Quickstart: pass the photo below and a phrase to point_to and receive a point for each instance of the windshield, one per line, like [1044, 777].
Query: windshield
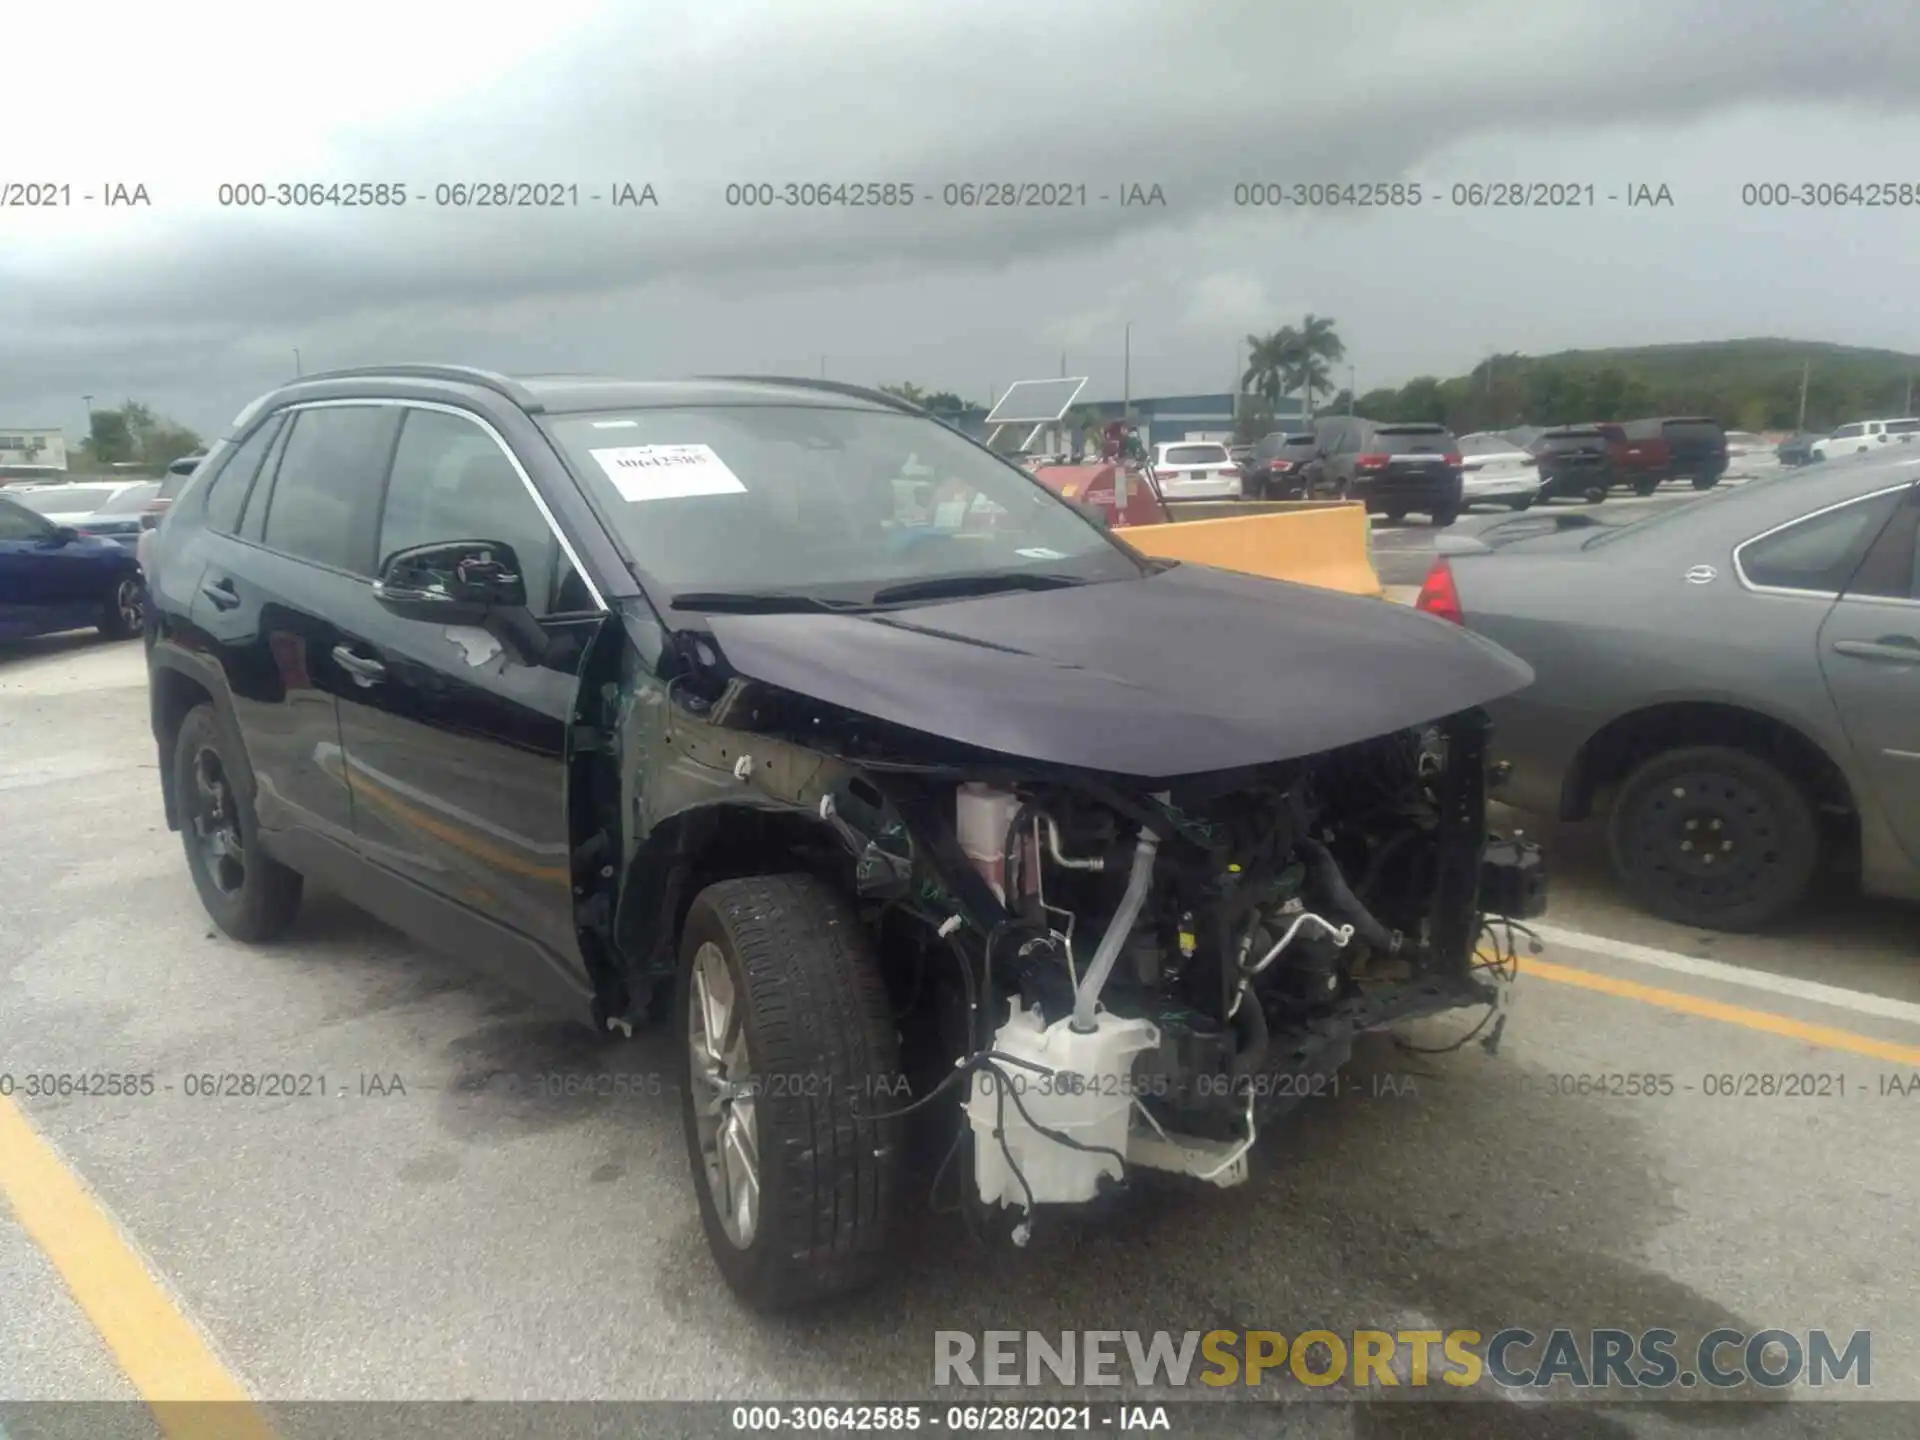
[130, 500]
[819, 500]
[1691, 507]
[66, 499]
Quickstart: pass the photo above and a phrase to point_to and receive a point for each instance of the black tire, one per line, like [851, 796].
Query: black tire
[1443, 518]
[1595, 495]
[1394, 513]
[1645, 485]
[249, 894]
[123, 611]
[1525, 502]
[1760, 823]
[1705, 482]
[822, 1054]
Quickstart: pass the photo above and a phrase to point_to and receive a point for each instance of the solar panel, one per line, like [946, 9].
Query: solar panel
[1036, 402]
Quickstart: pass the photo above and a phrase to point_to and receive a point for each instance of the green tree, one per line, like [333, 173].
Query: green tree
[1311, 351]
[1268, 358]
[910, 393]
[109, 440]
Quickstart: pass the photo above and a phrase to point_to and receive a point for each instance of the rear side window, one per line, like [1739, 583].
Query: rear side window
[325, 501]
[1903, 427]
[1818, 554]
[229, 487]
[1196, 455]
[19, 523]
[1849, 432]
[1891, 570]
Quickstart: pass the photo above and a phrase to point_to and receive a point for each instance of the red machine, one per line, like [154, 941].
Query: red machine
[1125, 493]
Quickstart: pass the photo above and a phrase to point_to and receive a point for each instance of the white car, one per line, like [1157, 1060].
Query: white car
[69, 504]
[1865, 435]
[1494, 471]
[1195, 470]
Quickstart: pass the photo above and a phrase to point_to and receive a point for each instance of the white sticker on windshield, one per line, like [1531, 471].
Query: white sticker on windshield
[1041, 552]
[667, 472]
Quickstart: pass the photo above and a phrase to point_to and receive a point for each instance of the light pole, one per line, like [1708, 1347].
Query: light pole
[296, 362]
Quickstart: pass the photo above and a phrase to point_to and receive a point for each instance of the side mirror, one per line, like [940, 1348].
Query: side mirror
[459, 582]
[64, 535]
[464, 582]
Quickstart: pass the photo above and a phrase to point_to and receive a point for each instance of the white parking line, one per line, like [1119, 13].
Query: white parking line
[1858, 1001]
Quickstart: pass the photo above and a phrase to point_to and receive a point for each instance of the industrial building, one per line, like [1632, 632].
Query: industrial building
[31, 451]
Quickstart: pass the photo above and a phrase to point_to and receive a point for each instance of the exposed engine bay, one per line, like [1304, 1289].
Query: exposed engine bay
[1165, 971]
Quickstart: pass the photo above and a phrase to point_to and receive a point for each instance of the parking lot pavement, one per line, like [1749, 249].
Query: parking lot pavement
[477, 1205]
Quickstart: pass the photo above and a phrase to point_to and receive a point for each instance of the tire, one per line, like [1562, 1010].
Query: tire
[1525, 502]
[1762, 821]
[1645, 485]
[1443, 518]
[1705, 482]
[1395, 513]
[809, 1007]
[123, 612]
[250, 895]
[1595, 494]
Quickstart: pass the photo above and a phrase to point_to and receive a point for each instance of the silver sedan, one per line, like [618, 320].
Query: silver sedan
[1734, 683]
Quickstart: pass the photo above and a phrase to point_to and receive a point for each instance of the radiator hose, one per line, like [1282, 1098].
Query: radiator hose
[1341, 899]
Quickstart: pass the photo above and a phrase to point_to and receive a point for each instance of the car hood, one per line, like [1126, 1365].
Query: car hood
[1185, 671]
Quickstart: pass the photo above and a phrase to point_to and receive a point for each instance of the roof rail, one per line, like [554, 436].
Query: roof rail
[458, 374]
[833, 387]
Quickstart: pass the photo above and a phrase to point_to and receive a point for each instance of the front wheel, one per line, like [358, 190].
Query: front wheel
[249, 894]
[1524, 502]
[124, 610]
[1394, 513]
[1444, 517]
[1713, 837]
[1705, 482]
[793, 1060]
[1645, 486]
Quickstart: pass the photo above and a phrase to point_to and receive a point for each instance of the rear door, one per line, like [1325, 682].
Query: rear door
[268, 594]
[455, 747]
[45, 583]
[1870, 654]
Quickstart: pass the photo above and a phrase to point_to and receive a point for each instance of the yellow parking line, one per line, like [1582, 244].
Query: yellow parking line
[170, 1364]
[1763, 1020]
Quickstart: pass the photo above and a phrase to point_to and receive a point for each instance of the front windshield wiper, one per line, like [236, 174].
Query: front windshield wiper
[990, 583]
[758, 602]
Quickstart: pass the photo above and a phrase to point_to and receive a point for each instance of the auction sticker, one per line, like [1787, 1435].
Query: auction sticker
[667, 472]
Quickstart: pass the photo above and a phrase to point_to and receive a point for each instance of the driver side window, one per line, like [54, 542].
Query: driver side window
[19, 523]
[452, 481]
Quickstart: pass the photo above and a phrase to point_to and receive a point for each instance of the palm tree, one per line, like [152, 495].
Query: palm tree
[908, 392]
[1314, 348]
[1266, 365]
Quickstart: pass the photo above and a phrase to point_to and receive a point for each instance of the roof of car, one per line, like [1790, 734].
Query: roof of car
[573, 394]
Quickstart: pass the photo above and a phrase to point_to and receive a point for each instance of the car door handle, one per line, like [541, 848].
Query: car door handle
[1901, 648]
[221, 593]
[366, 673]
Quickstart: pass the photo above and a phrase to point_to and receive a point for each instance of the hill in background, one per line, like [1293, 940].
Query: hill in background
[1745, 384]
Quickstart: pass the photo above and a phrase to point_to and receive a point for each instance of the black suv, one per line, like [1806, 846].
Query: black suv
[1575, 461]
[1397, 468]
[784, 714]
[1285, 466]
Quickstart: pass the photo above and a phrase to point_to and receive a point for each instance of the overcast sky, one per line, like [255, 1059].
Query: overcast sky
[194, 307]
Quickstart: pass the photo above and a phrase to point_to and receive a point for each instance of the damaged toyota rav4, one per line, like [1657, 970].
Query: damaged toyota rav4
[782, 714]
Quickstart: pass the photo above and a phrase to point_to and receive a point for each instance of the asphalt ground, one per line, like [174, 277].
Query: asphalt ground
[445, 1223]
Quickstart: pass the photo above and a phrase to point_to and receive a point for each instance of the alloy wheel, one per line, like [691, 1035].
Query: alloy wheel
[723, 1094]
[216, 824]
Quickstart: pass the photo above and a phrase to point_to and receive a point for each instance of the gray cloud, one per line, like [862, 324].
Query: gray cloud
[208, 305]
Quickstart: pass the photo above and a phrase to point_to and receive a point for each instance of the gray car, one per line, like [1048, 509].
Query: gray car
[1733, 683]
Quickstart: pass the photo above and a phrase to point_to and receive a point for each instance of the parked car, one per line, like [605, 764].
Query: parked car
[1864, 436]
[1396, 468]
[1743, 443]
[119, 519]
[1195, 470]
[1285, 466]
[1494, 472]
[178, 473]
[1674, 447]
[1574, 461]
[650, 698]
[1799, 449]
[70, 503]
[1734, 684]
[54, 578]
[1242, 457]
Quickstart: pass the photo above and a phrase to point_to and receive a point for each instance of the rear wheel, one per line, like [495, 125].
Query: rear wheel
[1705, 482]
[1713, 837]
[1395, 513]
[124, 610]
[1524, 502]
[1595, 494]
[1645, 485]
[1445, 517]
[250, 895]
[791, 1052]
